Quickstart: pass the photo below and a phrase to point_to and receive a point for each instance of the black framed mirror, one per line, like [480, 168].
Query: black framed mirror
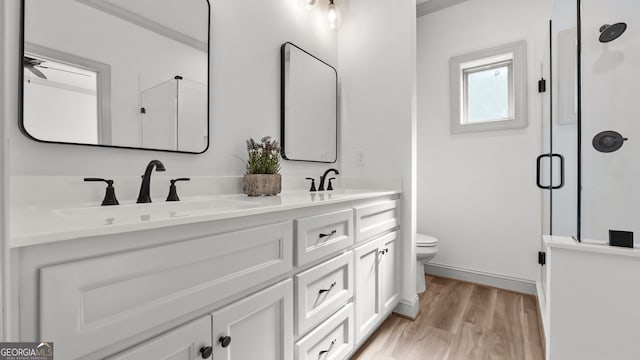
[116, 73]
[309, 107]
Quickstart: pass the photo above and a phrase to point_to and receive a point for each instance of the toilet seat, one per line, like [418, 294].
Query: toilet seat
[425, 241]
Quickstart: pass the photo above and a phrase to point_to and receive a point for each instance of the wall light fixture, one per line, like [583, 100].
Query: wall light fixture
[332, 15]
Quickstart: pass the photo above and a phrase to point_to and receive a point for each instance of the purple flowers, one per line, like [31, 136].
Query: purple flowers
[264, 156]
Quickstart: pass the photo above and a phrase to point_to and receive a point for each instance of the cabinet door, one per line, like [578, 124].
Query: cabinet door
[188, 342]
[367, 295]
[258, 327]
[388, 271]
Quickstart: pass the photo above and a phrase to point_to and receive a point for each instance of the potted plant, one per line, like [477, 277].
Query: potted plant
[263, 168]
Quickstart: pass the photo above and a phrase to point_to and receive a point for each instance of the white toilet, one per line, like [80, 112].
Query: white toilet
[426, 249]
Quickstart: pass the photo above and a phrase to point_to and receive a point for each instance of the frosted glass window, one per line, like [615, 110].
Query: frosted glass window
[488, 94]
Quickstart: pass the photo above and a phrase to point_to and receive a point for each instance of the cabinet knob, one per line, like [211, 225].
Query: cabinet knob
[225, 341]
[206, 352]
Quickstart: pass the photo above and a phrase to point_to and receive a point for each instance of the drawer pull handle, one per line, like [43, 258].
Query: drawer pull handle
[381, 252]
[333, 232]
[206, 352]
[326, 351]
[225, 341]
[322, 291]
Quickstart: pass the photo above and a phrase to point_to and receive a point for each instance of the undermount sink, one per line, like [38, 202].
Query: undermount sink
[153, 211]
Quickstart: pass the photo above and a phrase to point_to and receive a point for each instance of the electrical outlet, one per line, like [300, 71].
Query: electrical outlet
[360, 158]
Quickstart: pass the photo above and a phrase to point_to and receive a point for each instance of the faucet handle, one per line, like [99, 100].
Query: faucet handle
[110, 194]
[313, 184]
[173, 192]
[173, 181]
[330, 186]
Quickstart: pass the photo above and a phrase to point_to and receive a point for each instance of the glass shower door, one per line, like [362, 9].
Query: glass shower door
[558, 164]
[159, 116]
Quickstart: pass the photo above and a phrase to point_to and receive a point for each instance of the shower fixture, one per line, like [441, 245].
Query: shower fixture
[608, 141]
[609, 33]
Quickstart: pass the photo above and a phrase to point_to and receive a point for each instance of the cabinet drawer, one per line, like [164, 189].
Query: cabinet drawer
[375, 219]
[184, 343]
[322, 290]
[322, 235]
[333, 340]
[87, 305]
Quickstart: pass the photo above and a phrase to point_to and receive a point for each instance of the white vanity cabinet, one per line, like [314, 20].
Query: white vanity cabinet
[307, 283]
[376, 282]
[188, 342]
[257, 327]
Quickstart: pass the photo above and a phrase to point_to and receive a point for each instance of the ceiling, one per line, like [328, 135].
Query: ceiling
[425, 7]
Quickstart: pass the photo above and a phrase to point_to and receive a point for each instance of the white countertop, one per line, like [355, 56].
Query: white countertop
[33, 225]
[593, 246]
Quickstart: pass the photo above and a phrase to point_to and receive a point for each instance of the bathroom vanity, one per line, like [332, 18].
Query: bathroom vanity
[226, 277]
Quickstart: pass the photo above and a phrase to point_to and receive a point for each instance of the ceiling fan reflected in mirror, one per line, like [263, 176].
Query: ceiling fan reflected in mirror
[30, 64]
[34, 65]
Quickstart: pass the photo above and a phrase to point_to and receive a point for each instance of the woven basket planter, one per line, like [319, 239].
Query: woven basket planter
[262, 184]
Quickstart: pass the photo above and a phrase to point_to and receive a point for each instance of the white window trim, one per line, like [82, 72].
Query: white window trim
[461, 65]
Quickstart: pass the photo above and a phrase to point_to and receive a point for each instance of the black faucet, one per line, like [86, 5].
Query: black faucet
[145, 187]
[324, 176]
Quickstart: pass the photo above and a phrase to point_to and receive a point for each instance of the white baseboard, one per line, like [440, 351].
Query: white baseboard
[408, 308]
[481, 277]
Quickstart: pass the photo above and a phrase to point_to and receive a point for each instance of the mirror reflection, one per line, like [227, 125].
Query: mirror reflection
[309, 113]
[117, 73]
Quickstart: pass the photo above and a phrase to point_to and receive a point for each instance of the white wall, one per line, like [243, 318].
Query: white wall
[477, 192]
[377, 62]
[245, 95]
[610, 77]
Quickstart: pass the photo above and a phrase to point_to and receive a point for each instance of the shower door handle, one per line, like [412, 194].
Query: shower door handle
[539, 171]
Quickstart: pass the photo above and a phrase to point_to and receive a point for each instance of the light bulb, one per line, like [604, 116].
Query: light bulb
[307, 4]
[332, 15]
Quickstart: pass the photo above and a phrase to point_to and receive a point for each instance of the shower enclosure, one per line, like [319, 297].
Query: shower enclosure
[586, 288]
[590, 132]
[173, 116]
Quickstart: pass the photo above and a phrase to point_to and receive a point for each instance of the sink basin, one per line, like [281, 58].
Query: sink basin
[133, 213]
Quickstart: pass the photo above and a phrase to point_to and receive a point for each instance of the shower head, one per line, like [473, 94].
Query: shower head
[609, 33]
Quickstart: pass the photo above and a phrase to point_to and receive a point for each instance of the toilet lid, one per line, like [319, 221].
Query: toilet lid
[425, 240]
